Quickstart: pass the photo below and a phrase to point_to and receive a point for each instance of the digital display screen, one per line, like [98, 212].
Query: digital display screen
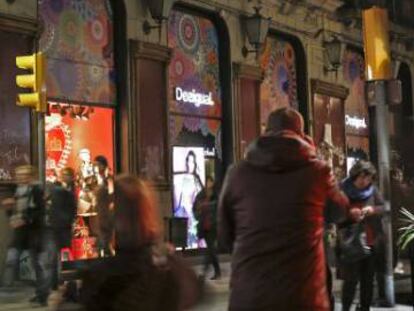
[189, 180]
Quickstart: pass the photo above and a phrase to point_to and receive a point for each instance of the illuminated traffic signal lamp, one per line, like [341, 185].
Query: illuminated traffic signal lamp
[377, 44]
[34, 81]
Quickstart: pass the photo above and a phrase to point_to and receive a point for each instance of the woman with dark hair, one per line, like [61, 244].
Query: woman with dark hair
[205, 212]
[189, 186]
[144, 275]
[365, 224]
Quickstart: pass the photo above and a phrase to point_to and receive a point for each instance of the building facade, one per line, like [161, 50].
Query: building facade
[181, 102]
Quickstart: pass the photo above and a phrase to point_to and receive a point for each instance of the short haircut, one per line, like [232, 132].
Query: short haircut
[101, 160]
[364, 168]
[285, 119]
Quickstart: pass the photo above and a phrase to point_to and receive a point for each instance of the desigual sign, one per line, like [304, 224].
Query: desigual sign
[355, 122]
[193, 97]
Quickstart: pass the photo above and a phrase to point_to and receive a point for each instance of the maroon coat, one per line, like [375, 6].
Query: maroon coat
[271, 213]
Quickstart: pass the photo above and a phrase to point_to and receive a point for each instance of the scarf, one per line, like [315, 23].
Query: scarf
[354, 193]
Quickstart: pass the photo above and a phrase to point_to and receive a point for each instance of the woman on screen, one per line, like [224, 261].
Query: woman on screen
[187, 186]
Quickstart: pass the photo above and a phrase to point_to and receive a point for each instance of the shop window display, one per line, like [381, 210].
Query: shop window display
[195, 107]
[77, 39]
[356, 107]
[74, 136]
[279, 86]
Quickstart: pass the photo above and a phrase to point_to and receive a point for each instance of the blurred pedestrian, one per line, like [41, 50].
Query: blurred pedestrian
[205, 212]
[26, 213]
[144, 275]
[361, 247]
[105, 209]
[271, 214]
[62, 214]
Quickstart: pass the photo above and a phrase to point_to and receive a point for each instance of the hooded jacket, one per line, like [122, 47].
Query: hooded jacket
[271, 214]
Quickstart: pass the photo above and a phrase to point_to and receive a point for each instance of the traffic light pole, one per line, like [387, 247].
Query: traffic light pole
[383, 149]
[41, 147]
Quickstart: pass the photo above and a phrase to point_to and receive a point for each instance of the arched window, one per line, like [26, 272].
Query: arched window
[356, 108]
[78, 41]
[280, 84]
[195, 110]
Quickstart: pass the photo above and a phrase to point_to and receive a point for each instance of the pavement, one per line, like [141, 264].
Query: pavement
[214, 299]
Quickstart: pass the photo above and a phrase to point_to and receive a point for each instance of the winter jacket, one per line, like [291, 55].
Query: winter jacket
[271, 213]
[368, 197]
[205, 212]
[63, 207]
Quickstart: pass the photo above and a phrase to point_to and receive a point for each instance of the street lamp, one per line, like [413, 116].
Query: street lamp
[333, 54]
[160, 11]
[257, 28]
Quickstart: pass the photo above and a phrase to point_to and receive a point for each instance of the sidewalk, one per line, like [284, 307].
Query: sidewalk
[215, 297]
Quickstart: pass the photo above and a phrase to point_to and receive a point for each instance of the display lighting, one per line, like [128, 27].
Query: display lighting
[75, 111]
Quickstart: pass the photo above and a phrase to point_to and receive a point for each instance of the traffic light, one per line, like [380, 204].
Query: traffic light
[34, 81]
[377, 44]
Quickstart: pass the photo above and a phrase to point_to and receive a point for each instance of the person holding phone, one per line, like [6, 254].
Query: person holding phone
[365, 213]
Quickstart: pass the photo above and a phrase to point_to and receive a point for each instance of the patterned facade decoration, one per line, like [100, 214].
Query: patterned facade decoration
[356, 108]
[279, 87]
[78, 42]
[194, 79]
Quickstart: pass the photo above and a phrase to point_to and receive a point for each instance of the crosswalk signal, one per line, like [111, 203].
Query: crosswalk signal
[34, 81]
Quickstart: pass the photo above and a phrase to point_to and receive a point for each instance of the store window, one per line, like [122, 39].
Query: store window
[328, 101]
[279, 87]
[75, 135]
[356, 108]
[78, 42]
[195, 111]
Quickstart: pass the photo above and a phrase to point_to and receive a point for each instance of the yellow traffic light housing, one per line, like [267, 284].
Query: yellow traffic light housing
[377, 44]
[35, 81]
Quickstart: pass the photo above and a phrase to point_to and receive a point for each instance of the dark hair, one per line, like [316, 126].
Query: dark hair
[136, 213]
[101, 160]
[187, 158]
[210, 178]
[364, 168]
[285, 119]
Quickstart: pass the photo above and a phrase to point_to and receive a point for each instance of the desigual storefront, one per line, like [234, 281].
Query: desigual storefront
[195, 111]
[78, 40]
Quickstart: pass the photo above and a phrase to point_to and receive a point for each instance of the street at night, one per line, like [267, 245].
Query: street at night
[206, 155]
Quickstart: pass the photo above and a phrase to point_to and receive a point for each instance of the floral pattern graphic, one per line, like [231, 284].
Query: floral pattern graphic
[279, 87]
[195, 63]
[77, 40]
[194, 67]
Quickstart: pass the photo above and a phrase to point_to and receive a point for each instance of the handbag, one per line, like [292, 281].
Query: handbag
[352, 244]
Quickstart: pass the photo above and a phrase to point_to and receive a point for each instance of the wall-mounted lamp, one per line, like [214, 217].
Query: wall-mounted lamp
[332, 54]
[160, 11]
[257, 28]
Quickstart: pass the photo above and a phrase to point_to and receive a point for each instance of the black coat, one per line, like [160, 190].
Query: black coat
[62, 213]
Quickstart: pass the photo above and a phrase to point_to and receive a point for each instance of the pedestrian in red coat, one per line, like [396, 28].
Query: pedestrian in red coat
[271, 214]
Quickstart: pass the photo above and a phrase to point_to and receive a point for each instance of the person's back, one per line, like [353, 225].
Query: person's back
[271, 211]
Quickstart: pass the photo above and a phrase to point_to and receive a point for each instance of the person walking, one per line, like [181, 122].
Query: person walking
[358, 259]
[144, 276]
[271, 215]
[26, 213]
[205, 212]
[103, 194]
[62, 214]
